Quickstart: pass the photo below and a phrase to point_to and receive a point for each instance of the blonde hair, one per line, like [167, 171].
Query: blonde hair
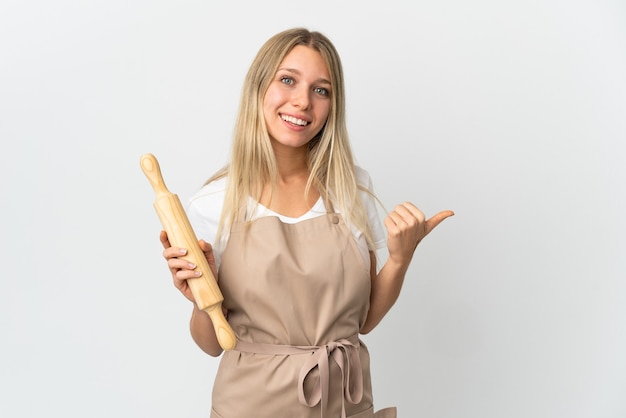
[330, 162]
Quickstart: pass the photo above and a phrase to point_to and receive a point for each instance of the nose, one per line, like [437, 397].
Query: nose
[301, 97]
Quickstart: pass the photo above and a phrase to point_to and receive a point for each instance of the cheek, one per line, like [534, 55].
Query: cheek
[273, 97]
[267, 106]
[324, 113]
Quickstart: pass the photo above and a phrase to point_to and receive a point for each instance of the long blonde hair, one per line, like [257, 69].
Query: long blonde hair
[330, 162]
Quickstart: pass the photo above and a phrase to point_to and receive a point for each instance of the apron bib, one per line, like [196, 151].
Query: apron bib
[297, 295]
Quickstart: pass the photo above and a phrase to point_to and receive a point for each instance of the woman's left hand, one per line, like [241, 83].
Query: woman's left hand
[406, 227]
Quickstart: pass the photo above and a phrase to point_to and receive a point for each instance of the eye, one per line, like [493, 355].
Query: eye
[287, 80]
[321, 91]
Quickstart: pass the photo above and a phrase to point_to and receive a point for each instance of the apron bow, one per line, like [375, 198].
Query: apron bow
[346, 354]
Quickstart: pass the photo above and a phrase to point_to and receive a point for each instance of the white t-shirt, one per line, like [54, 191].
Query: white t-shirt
[204, 209]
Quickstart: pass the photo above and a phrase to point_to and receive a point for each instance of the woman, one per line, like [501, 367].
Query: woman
[295, 229]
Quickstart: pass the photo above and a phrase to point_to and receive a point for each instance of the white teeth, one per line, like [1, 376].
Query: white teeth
[293, 120]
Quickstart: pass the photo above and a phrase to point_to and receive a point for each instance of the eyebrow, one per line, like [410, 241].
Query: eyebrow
[293, 70]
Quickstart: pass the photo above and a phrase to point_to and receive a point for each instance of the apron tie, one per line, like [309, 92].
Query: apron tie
[344, 352]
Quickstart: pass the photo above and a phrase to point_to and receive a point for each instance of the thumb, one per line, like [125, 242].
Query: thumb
[205, 247]
[435, 220]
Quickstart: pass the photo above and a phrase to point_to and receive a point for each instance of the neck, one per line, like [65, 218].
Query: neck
[291, 162]
[287, 195]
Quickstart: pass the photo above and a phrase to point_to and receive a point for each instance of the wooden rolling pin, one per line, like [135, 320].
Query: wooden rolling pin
[174, 220]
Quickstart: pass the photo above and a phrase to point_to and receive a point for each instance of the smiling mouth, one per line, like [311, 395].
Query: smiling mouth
[294, 120]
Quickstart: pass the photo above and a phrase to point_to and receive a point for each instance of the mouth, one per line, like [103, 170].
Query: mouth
[294, 121]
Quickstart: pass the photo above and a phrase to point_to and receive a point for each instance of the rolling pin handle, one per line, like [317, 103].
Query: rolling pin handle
[152, 170]
[223, 331]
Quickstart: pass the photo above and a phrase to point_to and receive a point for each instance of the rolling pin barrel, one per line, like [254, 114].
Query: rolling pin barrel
[174, 220]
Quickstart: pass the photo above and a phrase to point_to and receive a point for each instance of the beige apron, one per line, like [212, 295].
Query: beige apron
[297, 295]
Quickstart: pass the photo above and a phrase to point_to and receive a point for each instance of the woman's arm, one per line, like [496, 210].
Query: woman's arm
[386, 287]
[406, 227]
[200, 325]
[203, 333]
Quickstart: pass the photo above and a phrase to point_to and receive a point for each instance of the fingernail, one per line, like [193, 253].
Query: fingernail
[182, 251]
[197, 273]
[191, 265]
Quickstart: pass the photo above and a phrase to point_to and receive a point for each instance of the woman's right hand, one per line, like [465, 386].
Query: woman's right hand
[182, 270]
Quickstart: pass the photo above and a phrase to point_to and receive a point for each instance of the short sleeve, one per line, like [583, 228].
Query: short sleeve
[204, 210]
[369, 201]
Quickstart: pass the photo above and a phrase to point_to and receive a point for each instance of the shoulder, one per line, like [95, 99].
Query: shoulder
[208, 201]
[370, 201]
[208, 192]
[363, 178]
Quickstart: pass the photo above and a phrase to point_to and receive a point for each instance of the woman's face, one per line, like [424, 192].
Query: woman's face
[297, 101]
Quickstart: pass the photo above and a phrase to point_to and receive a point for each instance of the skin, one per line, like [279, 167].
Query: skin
[300, 89]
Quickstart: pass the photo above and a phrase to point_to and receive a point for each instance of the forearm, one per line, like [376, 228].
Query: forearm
[386, 286]
[203, 333]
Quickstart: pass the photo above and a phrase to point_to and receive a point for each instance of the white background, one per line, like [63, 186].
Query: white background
[513, 114]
